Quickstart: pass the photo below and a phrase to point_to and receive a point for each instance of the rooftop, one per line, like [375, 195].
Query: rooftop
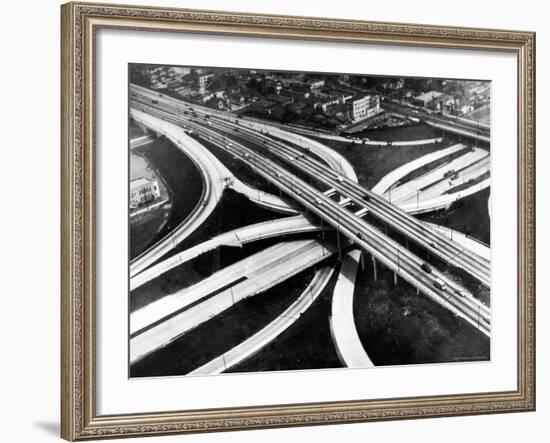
[430, 95]
[361, 95]
[139, 182]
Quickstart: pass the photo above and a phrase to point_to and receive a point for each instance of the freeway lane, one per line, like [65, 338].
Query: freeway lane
[444, 201]
[384, 249]
[212, 190]
[398, 219]
[214, 167]
[479, 268]
[331, 157]
[459, 131]
[224, 141]
[397, 174]
[472, 172]
[454, 125]
[262, 338]
[215, 177]
[342, 320]
[470, 243]
[433, 183]
[161, 322]
[235, 238]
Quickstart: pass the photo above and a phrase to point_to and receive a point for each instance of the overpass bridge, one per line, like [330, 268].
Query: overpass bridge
[363, 199]
[381, 247]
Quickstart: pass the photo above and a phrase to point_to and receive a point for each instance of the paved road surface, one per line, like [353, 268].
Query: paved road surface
[270, 332]
[433, 184]
[236, 238]
[161, 322]
[394, 176]
[397, 258]
[215, 176]
[342, 321]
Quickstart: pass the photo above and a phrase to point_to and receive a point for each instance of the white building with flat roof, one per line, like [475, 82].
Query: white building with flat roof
[427, 97]
[143, 191]
[364, 106]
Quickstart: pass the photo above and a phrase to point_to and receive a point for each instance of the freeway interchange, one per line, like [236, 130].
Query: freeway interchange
[319, 188]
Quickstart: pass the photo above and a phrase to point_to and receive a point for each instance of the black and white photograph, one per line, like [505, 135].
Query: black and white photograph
[283, 221]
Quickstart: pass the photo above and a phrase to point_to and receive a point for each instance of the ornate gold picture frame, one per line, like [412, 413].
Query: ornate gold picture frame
[80, 22]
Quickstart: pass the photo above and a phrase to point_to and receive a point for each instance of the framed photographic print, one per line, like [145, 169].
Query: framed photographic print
[281, 221]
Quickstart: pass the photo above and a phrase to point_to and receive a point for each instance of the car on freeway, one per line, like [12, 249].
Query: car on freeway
[426, 268]
[318, 201]
[155, 102]
[433, 245]
[439, 284]
[360, 235]
[340, 178]
[460, 292]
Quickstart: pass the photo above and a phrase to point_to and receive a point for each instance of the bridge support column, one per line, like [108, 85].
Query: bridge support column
[142, 127]
[374, 268]
[417, 291]
[339, 246]
[362, 258]
[394, 278]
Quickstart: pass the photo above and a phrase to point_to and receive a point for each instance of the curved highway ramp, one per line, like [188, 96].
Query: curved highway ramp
[266, 335]
[161, 322]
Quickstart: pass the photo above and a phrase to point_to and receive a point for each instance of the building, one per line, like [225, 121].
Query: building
[180, 70]
[203, 81]
[327, 102]
[173, 84]
[143, 191]
[364, 105]
[426, 98]
[316, 84]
